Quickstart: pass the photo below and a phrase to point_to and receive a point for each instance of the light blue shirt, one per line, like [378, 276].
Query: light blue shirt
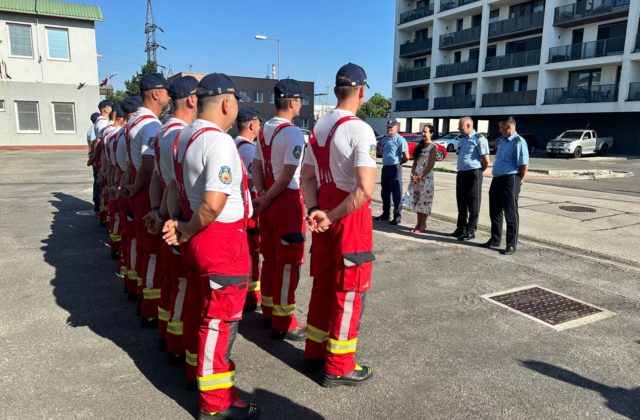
[91, 135]
[471, 148]
[392, 149]
[512, 153]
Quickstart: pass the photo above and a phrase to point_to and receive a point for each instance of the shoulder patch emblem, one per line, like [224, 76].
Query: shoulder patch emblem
[372, 151]
[297, 152]
[150, 141]
[225, 175]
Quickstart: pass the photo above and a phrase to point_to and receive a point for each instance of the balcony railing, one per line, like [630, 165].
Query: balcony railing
[411, 75]
[637, 48]
[416, 14]
[416, 48]
[521, 59]
[634, 91]
[578, 95]
[461, 38]
[527, 97]
[521, 25]
[449, 102]
[444, 70]
[412, 105]
[452, 4]
[578, 13]
[601, 48]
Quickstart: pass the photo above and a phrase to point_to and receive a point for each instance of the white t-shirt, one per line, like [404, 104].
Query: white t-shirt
[121, 152]
[353, 146]
[287, 149]
[101, 123]
[212, 163]
[247, 152]
[142, 135]
[108, 134]
[166, 147]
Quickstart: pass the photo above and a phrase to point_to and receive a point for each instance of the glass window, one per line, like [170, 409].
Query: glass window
[58, 43]
[20, 40]
[28, 118]
[494, 16]
[64, 117]
[515, 84]
[304, 123]
[419, 63]
[2, 105]
[258, 97]
[272, 98]
[243, 92]
[305, 101]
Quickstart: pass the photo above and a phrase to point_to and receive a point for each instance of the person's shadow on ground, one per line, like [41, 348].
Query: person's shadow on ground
[623, 401]
[86, 285]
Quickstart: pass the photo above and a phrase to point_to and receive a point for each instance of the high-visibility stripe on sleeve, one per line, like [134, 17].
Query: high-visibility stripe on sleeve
[175, 327]
[267, 301]
[342, 347]
[191, 358]
[284, 310]
[316, 334]
[254, 286]
[217, 381]
[151, 294]
[163, 314]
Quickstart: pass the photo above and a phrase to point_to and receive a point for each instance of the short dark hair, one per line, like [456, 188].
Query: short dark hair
[345, 92]
[243, 125]
[508, 120]
[429, 127]
[282, 104]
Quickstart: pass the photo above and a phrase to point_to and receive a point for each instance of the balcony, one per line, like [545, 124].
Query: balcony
[521, 59]
[412, 105]
[452, 4]
[416, 48]
[578, 14]
[637, 47]
[601, 48]
[527, 97]
[580, 95]
[517, 26]
[450, 102]
[634, 91]
[416, 14]
[465, 37]
[455, 69]
[411, 75]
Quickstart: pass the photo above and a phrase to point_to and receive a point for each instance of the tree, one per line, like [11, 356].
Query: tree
[117, 96]
[376, 106]
[132, 87]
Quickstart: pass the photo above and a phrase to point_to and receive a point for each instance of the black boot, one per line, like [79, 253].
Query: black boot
[358, 376]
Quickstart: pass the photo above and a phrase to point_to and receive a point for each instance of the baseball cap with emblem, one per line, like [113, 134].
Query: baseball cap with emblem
[117, 107]
[248, 114]
[151, 81]
[104, 103]
[392, 122]
[131, 104]
[214, 84]
[351, 75]
[288, 89]
[182, 87]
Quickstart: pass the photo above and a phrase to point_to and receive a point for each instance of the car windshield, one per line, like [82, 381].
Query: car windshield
[571, 135]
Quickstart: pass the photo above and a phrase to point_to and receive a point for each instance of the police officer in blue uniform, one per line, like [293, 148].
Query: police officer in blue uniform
[473, 159]
[509, 170]
[395, 152]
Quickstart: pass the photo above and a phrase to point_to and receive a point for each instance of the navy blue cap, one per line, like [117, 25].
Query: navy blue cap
[351, 75]
[151, 81]
[105, 103]
[182, 87]
[117, 107]
[392, 122]
[288, 88]
[248, 114]
[94, 117]
[131, 104]
[217, 84]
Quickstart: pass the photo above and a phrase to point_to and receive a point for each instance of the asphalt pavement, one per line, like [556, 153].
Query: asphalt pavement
[72, 346]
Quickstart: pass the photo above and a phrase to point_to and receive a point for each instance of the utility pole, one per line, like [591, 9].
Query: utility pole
[150, 28]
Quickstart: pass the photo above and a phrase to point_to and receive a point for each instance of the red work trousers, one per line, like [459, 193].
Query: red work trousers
[175, 287]
[164, 303]
[130, 245]
[282, 236]
[224, 273]
[114, 226]
[253, 239]
[341, 263]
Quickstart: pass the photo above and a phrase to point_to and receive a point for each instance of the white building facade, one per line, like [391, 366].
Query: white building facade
[554, 65]
[48, 72]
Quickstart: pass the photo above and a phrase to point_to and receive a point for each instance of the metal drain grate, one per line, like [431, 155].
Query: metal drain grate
[550, 308]
[578, 209]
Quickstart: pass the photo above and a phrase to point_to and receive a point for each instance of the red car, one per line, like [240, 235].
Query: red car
[412, 142]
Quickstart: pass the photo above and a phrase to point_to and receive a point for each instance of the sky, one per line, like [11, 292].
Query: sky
[316, 38]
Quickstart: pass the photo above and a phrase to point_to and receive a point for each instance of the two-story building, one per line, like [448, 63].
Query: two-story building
[48, 72]
[554, 65]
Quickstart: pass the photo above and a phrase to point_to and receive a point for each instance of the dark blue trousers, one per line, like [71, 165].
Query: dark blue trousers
[96, 191]
[391, 188]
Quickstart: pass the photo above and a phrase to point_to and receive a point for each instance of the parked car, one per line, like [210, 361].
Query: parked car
[579, 142]
[449, 141]
[412, 141]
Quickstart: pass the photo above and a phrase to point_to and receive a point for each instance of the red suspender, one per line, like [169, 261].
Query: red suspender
[156, 146]
[128, 139]
[267, 168]
[322, 153]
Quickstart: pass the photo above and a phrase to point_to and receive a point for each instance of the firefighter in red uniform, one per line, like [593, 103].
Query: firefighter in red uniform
[276, 176]
[215, 208]
[95, 158]
[248, 123]
[142, 129]
[113, 218]
[337, 182]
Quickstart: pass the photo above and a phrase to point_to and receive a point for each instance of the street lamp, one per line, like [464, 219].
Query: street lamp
[266, 38]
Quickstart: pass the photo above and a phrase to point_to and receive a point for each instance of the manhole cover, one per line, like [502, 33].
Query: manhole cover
[86, 213]
[578, 209]
[550, 308]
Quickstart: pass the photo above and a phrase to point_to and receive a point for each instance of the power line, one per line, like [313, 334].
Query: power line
[150, 28]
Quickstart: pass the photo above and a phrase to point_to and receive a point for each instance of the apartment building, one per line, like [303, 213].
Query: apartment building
[48, 72]
[554, 65]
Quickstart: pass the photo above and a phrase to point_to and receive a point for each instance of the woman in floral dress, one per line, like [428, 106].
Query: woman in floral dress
[421, 185]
